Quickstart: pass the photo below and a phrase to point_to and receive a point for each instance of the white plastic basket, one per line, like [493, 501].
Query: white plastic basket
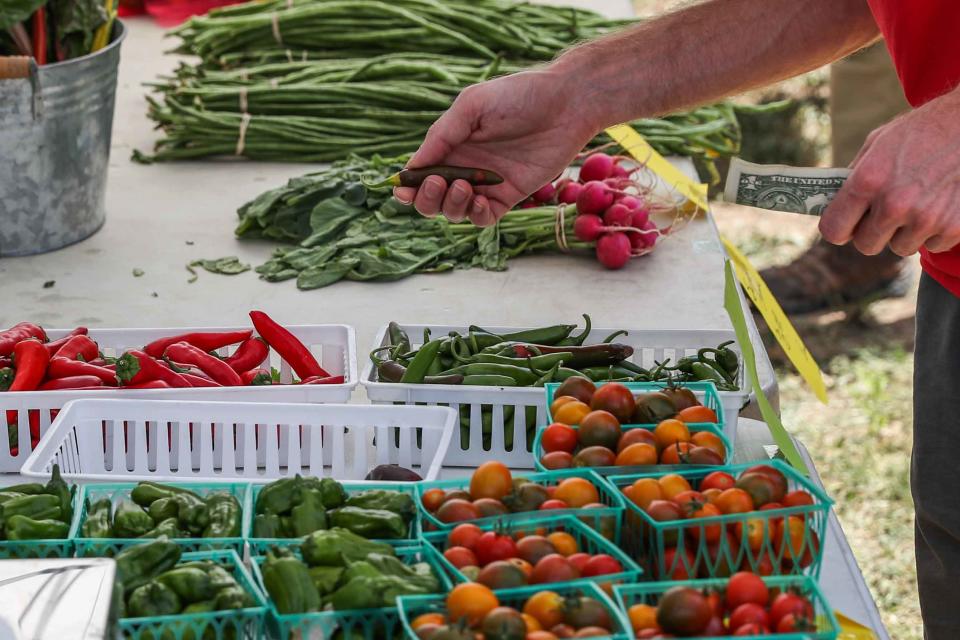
[649, 345]
[226, 441]
[334, 346]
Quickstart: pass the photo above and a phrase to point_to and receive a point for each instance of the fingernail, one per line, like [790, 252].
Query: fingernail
[458, 195]
[476, 207]
[431, 188]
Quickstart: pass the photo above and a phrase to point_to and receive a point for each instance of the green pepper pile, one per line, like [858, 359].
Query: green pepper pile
[155, 510]
[36, 511]
[340, 570]
[295, 507]
[154, 584]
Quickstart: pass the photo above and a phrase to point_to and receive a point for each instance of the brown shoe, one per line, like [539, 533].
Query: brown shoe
[827, 276]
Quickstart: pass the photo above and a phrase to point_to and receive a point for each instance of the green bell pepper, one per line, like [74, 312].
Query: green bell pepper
[131, 521]
[279, 496]
[191, 512]
[369, 523]
[24, 528]
[169, 527]
[163, 508]
[6, 496]
[325, 579]
[234, 597]
[368, 592]
[224, 516]
[190, 584]
[146, 492]
[38, 507]
[288, 582]
[204, 606]
[358, 569]
[64, 492]
[332, 493]
[396, 501]
[98, 523]
[220, 577]
[267, 525]
[138, 564]
[153, 599]
[309, 515]
[335, 547]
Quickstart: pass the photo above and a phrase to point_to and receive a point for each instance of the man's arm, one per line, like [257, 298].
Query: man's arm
[529, 126]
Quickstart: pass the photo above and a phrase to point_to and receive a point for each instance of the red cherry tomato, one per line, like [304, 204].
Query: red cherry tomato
[789, 603]
[752, 629]
[553, 503]
[747, 613]
[744, 587]
[601, 565]
[464, 535]
[492, 546]
[717, 480]
[460, 557]
[559, 437]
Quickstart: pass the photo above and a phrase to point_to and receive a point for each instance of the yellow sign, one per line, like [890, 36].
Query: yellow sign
[778, 322]
[642, 152]
[731, 302]
[849, 629]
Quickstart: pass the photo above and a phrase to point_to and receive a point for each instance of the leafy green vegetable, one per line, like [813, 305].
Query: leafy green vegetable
[75, 23]
[14, 11]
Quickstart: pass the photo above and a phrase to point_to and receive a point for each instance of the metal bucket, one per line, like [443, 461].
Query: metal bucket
[55, 125]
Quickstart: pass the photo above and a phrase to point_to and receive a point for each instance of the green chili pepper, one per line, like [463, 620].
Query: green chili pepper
[334, 547]
[369, 523]
[522, 376]
[235, 597]
[542, 362]
[38, 507]
[29, 489]
[613, 336]
[544, 335]
[6, 496]
[703, 371]
[578, 340]
[146, 492]
[58, 487]
[24, 528]
[399, 339]
[421, 363]
[398, 502]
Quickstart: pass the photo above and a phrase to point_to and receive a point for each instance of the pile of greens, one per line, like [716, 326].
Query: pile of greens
[54, 30]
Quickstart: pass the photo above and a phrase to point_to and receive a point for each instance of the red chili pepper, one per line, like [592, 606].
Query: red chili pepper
[62, 368]
[256, 378]
[53, 347]
[150, 384]
[200, 381]
[249, 355]
[40, 36]
[206, 341]
[31, 359]
[213, 366]
[79, 347]
[135, 368]
[323, 380]
[72, 382]
[18, 333]
[294, 352]
[33, 421]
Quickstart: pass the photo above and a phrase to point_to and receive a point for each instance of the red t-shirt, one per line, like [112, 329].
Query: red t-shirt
[922, 36]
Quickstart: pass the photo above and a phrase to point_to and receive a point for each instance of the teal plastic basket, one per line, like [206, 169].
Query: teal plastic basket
[260, 546]
[588, 541]
[606, 520]
[413, 606]
[229, 624]
[613, 470]
[827, 627]
[369, 624]
[46, 548]
[118, 491]
[706, 392]
[649, 540]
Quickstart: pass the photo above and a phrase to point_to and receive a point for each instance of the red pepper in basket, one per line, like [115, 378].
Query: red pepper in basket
[200, 381]
[72, 382]
[294, 352]
[63, 368]
[206, 341]
[135, 368]
[53, 347]
[323, 380]
[249, 355]
[31, 359]
[79, 348]
[150, 384]
[213, 366]
[19, 333]
[256, 378]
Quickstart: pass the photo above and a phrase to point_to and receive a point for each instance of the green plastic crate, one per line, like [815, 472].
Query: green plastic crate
[121, 490]
[259, 546]
[666, 468]
[47, 548]
[648, 540]
[370, 624]
[413, 606]
[706, 392]
[827, 627]
[588, 541]
[606, 519]
[230, 624]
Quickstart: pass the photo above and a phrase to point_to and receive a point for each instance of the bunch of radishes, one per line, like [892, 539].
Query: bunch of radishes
[617, 220]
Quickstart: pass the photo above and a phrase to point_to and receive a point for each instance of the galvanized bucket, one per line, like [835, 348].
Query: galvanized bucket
[55, 124]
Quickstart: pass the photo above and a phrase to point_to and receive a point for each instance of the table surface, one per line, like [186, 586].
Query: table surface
[160, 217]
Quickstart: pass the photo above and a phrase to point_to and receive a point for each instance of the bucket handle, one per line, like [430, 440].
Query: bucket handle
[23, 67]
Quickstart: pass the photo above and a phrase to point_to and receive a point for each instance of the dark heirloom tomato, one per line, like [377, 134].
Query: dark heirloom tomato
[502, 575]
[576, 387]
[557, 460]
[635, 436]
[599, 428]
[553, 568]
[779, 480]
[585, 611]
[457, 510]
[616, 399]
[596, 456]
[534, 548]
[683, 611]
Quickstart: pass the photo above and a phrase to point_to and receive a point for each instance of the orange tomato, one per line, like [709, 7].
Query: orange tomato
[428, 618]
[492, 479]
[572, 413]
[712, 495]
[546, 607]
[795, 541]
[564, 543]
[671, 431]
[432, 499]
[735, 501]
[577, 492]
[708, 532]
[532, 623]
[752, 532]
[472, 601]
[644, 491]
[642, 616]
[559, 401]
[675, 453]
[524, 566]
[640, 453]
[672, 484]
[698, 413]
[710, 441]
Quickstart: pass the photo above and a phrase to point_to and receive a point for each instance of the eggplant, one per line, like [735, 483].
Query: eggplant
[393, 473]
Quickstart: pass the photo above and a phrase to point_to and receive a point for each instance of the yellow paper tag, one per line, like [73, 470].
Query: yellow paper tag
[777, 320]
[849, 629]
[634, 144]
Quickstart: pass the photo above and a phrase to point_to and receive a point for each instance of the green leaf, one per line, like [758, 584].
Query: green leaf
[229, 265]
[14, 11]
[316, 278]
[75, 22]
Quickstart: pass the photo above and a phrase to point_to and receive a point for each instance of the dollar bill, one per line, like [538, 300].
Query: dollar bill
[779, 187]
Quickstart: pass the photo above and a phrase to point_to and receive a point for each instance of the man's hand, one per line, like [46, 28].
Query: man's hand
[905, 186]
[527, 127]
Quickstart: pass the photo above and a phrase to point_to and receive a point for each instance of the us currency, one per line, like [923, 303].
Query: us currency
[779, 187]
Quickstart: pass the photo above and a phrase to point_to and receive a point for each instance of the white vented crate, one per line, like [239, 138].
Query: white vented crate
[333, 345]
[649, 345]
[229, 441]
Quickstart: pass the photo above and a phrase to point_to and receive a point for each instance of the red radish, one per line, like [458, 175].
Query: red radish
[619, 171]
[639, 218]
[594, 198]
[640, 241]
[617, 215]
[528, 204]
[569, 192]
[613, 250]
[588, 227]
[597, 166]
[630, 202]
[546, 193]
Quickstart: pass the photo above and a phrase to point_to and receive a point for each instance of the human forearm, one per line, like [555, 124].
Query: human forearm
[709, 51]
